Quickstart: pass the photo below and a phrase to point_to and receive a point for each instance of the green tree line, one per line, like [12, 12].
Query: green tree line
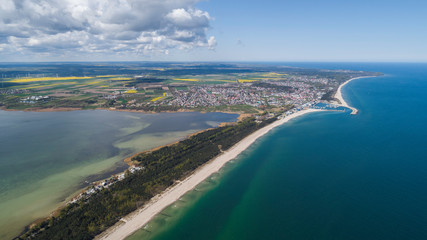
[161, 168]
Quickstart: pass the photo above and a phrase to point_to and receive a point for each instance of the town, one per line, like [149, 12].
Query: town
[176, 87]
[261, 94]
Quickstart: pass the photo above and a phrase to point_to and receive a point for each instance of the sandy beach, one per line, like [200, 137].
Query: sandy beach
[338, 95]
[136, 220]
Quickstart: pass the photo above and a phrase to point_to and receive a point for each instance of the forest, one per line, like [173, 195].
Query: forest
[160, 169]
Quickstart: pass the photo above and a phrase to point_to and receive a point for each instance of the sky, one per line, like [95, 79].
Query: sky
[213, 30]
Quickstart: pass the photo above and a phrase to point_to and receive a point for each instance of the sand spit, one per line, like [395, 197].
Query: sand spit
[136, 220]
[338, 95]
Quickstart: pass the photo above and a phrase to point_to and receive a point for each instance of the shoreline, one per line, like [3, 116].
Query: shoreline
[126, 160]
[242, 116]
[70, 109]
[342, 102]
[129, 162]
[136, 220]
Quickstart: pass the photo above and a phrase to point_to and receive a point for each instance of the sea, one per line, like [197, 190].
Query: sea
[325, 175]
[47, 157]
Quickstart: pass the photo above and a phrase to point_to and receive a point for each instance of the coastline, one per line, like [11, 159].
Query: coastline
[126, 160]
[342, 102]
[338, 95]
[242, 116]
[69, 109]
[129, 162]
[136, 220]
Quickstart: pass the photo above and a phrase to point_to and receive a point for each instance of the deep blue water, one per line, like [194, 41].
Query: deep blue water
[328, 175]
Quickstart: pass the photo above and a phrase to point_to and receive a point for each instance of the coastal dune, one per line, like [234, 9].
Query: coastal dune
[134, 221]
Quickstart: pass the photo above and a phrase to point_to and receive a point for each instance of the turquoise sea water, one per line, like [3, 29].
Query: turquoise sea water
[327, 175]
[46, 157]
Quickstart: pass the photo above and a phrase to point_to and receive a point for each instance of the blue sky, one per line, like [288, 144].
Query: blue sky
[214, 30]
[307, 30]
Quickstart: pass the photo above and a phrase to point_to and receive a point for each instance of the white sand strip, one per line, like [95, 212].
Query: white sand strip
[338, 95]
[141, 217]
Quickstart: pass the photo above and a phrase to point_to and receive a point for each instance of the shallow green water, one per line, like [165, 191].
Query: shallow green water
[46, 157]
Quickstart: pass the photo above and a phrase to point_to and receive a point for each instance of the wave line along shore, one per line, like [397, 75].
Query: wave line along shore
[138, 219]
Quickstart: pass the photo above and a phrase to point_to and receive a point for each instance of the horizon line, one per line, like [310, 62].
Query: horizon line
[216, 61]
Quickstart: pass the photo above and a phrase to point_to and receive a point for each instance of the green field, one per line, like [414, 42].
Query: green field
[107, 91]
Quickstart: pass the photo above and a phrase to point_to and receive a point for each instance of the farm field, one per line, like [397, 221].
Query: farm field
[162, 86]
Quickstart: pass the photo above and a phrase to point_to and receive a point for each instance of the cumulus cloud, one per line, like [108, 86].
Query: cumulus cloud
[142, 26]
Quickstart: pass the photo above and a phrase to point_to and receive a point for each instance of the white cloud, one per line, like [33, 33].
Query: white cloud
[212, 43]
[143, 26]
[179, 15]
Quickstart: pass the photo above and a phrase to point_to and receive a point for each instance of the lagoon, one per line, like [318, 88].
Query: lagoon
[46, 157]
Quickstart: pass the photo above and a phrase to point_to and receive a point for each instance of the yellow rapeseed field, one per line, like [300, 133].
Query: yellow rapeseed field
[131, 91]
[246, 80]
[43, 79]
[187, 79]
[158, 98]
